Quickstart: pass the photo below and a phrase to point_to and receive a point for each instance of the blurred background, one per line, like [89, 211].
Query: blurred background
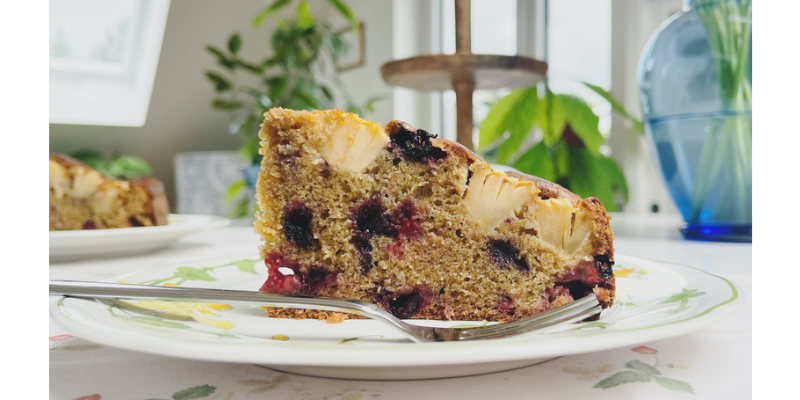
[154, 80]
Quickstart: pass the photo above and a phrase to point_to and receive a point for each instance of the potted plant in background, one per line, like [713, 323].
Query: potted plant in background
[299, 74]
[555, 137]
[124, 166]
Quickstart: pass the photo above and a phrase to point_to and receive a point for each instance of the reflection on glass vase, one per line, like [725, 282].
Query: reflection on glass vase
[695, 81]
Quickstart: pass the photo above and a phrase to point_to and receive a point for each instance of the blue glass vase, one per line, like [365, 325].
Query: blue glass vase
[695, 82]
[251, 175]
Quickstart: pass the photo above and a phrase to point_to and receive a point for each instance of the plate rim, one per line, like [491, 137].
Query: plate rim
[185, 221]
[326, 355]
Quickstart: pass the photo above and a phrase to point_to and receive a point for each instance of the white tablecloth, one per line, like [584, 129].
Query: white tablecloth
[714, 362]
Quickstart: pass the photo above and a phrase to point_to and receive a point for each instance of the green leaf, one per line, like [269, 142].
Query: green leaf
[551, 118]
[346, 12]
[674, 384]
[91, 157]
[222, 58]
[197, 392]
[369, 105]
[247, 265]
[536, 161]
[614, 174]
[269, 63]
[616, 106]
[642, 367]
[227, 105]
[269, 10]
[234, 189]
[304, 18]
[256, 69]
[129, 167]
[276, 86]
[193, 274]
[583, 121]
[326, 92]
[306, 99]
[684, 295]
[241, 209]
[519, 128]
[249, 149]
[587, 179]
[514, 111]
[622, 377]
[561, 156]
[234, 43]
[221, 84]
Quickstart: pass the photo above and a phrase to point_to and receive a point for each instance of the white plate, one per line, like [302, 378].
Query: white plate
[655, 300]
[92, 243]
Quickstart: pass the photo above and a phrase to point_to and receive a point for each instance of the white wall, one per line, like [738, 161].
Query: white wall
[366, 82]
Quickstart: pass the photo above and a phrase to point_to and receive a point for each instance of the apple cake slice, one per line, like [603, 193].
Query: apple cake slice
[420, 226]
[83, 198]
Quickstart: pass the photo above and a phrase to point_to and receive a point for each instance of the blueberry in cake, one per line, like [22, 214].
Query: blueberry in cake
[420, 226]
[83, 198]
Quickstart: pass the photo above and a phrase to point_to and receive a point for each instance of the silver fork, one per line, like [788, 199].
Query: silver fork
[572, 312]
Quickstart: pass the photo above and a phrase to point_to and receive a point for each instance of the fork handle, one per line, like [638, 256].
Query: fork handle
[106, 290]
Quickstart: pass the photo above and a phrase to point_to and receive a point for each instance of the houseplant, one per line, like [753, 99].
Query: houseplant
[124, 166]
[555, 137]
[299, 74]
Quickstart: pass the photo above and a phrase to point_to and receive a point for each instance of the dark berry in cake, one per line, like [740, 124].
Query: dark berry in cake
[280, 281]
[133, 221]
[406, 219]
[416, 145]
[364, 251]
[316, 279]
[506, 305]
[371, 219]
[89, 224]
[286, 276]
[406, 303]
[297, 225]
[506, 254]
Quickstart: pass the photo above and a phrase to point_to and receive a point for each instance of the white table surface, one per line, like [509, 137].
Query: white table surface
[715, 361]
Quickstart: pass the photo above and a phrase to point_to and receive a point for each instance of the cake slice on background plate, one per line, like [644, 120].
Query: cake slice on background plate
[83, 198]
[420, 226]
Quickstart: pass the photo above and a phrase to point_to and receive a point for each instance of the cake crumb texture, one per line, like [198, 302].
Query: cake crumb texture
[418, 225]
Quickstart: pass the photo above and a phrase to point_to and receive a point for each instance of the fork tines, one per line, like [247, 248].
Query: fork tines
[572, 312]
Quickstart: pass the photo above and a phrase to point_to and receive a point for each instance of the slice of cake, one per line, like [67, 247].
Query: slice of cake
[82, 198]
[418, 225]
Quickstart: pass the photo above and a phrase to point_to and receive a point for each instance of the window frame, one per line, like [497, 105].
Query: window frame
[98, 93]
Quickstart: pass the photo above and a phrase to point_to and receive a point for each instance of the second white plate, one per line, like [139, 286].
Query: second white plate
[655, 300]
[95, 243]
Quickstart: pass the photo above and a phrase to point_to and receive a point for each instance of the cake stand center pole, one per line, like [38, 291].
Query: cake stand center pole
[463, 78]
[463, 27]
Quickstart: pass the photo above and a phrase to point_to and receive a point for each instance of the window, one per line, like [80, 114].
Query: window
[575, 38]
[103, 59]
[576, 46]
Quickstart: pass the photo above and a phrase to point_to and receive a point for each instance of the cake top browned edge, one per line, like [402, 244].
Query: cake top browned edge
[547, 189]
